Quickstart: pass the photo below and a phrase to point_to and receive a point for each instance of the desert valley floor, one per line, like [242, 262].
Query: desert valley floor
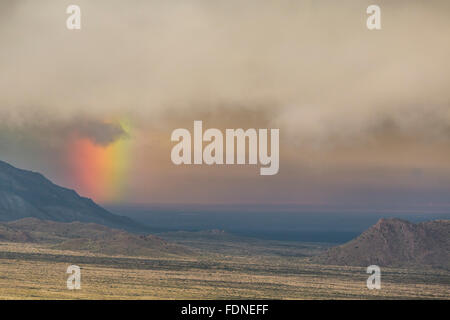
[218, 269]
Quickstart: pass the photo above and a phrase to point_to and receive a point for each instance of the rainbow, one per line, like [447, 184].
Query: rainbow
[99, 172]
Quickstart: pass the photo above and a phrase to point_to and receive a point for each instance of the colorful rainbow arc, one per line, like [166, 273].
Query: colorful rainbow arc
[99, 172]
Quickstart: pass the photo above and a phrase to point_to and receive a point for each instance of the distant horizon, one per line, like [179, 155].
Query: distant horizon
[330, 226]
[293, 207]
[431, 208]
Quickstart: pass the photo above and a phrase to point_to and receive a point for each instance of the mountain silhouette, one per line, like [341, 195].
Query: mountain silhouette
[395, 243]
[27, 194]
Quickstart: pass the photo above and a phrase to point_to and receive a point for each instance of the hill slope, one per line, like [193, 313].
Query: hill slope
[90, 237]
[395, 243]
[29, 194]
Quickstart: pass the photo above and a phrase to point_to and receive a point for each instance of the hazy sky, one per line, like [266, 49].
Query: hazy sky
[364, 116]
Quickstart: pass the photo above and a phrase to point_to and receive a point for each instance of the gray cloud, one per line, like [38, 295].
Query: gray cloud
[326, 77]
[310, 68]
[99, 132]
[316, 127]
[57, 134]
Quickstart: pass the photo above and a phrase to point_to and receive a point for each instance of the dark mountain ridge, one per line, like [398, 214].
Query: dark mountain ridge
[395, 243]
[29, 194]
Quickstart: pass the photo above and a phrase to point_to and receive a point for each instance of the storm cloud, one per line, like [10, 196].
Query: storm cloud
[346, 99]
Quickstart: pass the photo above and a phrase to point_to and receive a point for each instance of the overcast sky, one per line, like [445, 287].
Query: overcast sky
[364, 116]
